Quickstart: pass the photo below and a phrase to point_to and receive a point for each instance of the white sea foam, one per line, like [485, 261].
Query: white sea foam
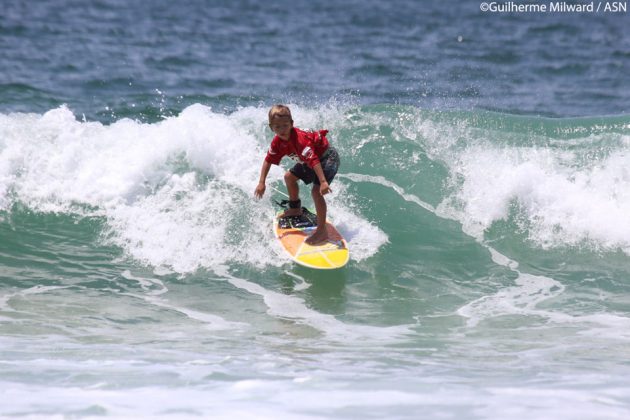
[520, 299]
[302, 285]
[271, 399]
[387, 183]
[39, 289]
[176, 194]
[294, 308]
[154, 288]
[566, 194]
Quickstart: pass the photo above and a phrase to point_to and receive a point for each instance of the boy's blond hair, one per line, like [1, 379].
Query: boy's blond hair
[279, 111]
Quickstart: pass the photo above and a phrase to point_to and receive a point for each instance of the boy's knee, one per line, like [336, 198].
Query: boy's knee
[289, 177]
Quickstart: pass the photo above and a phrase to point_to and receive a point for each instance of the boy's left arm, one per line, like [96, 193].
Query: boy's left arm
[324, 188]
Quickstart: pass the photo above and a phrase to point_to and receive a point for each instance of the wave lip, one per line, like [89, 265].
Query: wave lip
[563, 182]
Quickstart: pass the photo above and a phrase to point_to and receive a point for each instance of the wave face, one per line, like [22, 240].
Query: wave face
[488, 254]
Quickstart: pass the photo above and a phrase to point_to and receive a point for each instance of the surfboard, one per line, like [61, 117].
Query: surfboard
[292, 233]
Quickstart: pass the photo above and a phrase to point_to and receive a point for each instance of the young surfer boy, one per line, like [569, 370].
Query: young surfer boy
[317, 162]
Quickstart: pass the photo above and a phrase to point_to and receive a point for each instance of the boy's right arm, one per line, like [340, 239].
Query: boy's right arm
[260, 189]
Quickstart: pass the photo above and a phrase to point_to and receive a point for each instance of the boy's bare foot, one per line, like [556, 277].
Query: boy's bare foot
[318, 237]
[292, 212]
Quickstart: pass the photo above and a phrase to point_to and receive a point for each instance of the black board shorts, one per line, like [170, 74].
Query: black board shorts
[330, 165]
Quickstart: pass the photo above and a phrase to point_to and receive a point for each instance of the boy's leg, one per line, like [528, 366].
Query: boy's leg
[294, 193]
[321, 233]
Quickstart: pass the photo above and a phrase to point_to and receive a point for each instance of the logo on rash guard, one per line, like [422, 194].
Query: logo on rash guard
[307, 152]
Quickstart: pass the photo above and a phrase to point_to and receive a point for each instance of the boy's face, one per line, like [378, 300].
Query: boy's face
[281, 126]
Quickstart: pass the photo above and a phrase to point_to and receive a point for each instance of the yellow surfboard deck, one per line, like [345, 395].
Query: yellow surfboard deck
[292, 233]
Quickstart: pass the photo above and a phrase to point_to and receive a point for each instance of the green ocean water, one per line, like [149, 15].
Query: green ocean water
[488, 272]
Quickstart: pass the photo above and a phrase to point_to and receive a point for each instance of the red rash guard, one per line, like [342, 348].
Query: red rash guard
[305, 146]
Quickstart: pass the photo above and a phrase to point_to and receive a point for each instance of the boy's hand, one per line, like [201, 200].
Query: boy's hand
[324, 188]
[260, 190]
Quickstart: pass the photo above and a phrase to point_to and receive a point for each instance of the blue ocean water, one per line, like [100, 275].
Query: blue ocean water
[483, 192]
